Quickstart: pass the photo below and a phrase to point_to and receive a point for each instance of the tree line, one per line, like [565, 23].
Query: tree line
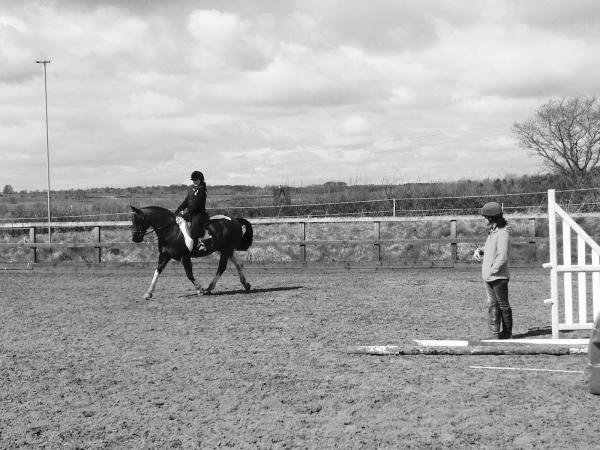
[518, 194]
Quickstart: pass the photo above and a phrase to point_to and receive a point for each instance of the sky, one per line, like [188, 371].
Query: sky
[141, 93]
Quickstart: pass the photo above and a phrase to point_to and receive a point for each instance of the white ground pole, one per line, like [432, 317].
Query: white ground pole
[484, 347]
[526, 369]
[531, 341]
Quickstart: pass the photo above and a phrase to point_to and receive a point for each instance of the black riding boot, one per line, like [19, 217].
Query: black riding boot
[494, 319]
[197, 238]
[506, 332]
[199, 245]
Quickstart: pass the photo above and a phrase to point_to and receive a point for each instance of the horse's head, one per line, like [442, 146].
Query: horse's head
[139, 225]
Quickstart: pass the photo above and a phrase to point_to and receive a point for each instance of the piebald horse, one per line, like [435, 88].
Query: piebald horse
[226, 236]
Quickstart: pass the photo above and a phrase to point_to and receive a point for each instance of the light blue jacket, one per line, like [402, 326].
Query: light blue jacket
[496, 254]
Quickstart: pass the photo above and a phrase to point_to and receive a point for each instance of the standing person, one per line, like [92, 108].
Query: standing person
[195, 202]
[494, 270]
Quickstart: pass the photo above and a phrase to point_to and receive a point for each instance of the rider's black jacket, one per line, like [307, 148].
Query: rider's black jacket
[195, 200]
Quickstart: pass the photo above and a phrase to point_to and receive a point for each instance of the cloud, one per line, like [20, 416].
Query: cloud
[215, 28]
[224, 39]
[355, 125]
[303, 90]
[582, 18]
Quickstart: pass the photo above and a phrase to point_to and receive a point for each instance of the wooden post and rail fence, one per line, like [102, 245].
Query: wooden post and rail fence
[452, 238]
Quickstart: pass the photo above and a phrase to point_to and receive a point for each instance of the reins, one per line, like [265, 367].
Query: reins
[160, 228]
[151, 229]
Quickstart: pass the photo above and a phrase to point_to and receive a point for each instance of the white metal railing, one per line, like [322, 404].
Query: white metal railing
[565, 306]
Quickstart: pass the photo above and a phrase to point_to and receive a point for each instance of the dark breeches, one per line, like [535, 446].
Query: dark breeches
[499, 310]
[497, 293]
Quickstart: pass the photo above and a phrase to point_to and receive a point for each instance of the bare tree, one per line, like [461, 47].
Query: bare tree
[391, 188]
[566, 134]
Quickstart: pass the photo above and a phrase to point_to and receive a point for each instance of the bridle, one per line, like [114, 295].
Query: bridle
[140, 234]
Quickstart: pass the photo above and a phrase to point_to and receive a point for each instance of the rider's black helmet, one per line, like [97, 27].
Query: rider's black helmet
[197, 175]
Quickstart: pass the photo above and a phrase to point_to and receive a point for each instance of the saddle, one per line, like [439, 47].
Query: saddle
[184, 226]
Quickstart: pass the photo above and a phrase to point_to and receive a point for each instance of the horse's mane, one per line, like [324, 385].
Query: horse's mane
[159, 209]
[158, 215]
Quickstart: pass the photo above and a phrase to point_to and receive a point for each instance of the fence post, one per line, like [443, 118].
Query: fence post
[453, 245]
[532, 238]
[303, 245]
[32, 239]
[377, 245]
[96, 233]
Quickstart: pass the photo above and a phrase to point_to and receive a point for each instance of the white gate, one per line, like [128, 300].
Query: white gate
[569, 311]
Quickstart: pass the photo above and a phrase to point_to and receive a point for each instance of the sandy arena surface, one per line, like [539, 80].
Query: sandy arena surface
[85, 363]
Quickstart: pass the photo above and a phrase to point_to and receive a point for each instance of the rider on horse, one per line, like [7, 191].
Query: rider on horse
[195, 202]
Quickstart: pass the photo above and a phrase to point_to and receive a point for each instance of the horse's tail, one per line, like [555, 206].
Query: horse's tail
[246, 241]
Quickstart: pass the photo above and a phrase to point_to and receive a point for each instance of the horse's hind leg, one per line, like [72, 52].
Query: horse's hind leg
[238, 265]
[222, 266]
[163, 259]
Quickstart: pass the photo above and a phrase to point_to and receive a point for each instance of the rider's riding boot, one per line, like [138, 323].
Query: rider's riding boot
[506, 332]
[199, 244]
[494, 319]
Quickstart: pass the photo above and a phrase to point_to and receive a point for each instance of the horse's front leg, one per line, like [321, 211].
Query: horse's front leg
[163, 259]
[187, 265]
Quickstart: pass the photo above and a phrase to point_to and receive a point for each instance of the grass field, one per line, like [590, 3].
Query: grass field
[85, 363]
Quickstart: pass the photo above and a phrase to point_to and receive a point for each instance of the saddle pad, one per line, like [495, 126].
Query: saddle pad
[184, 226]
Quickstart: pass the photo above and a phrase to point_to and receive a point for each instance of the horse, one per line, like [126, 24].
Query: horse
[226, 236]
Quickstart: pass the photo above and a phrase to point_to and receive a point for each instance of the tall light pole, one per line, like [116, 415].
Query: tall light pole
[44, 62]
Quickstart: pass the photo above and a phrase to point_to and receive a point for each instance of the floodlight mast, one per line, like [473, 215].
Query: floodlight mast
[45, 62]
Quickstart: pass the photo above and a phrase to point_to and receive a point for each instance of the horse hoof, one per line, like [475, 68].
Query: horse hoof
[206, 292]
[247, 286]
[147, 296]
